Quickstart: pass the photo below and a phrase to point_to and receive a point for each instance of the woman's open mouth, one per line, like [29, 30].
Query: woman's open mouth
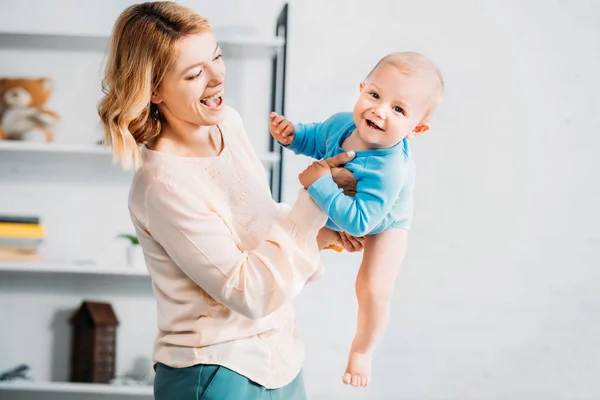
[213, 102]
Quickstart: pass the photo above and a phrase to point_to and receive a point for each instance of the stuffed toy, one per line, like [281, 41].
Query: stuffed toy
[22, 112]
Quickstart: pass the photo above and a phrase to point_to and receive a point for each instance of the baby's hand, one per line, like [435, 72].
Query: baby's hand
[282, 130]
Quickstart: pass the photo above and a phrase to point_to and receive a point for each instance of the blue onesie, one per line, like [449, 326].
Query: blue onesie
[386, 177]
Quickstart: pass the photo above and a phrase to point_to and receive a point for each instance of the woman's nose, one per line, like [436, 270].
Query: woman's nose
[217, 74]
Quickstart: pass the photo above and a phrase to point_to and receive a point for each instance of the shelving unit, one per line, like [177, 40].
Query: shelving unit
[81, 196]
[79, 388]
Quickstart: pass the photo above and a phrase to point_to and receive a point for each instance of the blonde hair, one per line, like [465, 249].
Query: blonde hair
[142, 48]
[410, 63]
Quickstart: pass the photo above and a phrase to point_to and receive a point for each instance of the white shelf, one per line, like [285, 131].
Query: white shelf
[269, 158]
[65, 149]
[249, 47]
[234, 46]
[83, 388]
[43, 147]
[60, 268]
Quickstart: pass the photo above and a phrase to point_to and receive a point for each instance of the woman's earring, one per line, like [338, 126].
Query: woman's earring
[154, 111]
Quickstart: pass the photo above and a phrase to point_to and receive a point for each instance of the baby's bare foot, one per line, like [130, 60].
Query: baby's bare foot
[358, 371]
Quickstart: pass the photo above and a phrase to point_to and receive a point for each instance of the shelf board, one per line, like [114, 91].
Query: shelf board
[52, 147]
[53, 41]
[83, 388]
[234, 46]
[65, 149]
[66, 268]
[248, 47]
[269, 158]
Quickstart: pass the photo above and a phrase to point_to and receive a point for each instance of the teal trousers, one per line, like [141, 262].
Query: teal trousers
[214, 382]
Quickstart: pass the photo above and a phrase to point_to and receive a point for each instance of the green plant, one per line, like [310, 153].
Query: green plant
[132, 238]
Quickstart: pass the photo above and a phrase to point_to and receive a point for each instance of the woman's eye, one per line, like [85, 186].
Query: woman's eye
[217, 57]
[191, 78]
[398, 110]
[374, 95]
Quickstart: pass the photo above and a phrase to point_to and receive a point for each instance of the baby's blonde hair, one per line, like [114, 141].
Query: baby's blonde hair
[143, 46]
[409, 63]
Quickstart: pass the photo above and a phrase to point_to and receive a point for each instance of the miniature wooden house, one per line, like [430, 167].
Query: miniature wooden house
[93, 343]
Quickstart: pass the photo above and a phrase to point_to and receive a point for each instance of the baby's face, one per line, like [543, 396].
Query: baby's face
[391, 106]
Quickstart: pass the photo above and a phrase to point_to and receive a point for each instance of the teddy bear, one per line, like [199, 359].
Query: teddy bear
[22, 112]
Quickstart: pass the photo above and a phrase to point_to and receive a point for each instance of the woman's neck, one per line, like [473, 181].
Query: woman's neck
[187, 140]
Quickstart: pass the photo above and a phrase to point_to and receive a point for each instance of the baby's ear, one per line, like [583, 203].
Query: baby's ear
[419, 130]
[362, 86]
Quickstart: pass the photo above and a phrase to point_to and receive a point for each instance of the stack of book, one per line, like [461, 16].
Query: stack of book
[20, 237]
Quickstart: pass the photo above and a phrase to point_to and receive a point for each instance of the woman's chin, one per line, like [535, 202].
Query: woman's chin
[213, 119]
[212, 115]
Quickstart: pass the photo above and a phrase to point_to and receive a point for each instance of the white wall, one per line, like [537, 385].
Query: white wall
[498, 298]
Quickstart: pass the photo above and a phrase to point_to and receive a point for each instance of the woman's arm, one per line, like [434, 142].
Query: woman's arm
[251, 282]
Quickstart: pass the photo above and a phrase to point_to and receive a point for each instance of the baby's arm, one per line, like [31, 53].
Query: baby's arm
[358, 215]
[307, 139]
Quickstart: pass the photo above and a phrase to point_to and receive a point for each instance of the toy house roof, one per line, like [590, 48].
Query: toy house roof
[95, 313]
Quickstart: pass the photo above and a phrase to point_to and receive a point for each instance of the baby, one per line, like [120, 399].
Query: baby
[396, 102]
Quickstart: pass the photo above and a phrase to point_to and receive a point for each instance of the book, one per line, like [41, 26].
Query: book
[15, 254]
[21, 231]
[20, 219]
[20, 242]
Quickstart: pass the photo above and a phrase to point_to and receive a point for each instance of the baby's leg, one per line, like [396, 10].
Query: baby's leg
[383, 255]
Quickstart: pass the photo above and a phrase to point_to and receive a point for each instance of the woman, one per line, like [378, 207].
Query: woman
[225, 260]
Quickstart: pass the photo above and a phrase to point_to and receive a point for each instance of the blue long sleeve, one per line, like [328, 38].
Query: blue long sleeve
[309, 140]
[376, 193]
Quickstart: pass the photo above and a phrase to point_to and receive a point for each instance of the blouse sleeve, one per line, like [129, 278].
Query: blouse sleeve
[252, 282]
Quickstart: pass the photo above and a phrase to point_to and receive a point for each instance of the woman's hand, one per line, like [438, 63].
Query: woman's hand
[320, 168]
[339, 241]
[345, 180]
[328, 238]
[351, 243]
